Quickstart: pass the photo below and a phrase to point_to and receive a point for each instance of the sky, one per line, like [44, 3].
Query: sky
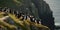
[55, 7]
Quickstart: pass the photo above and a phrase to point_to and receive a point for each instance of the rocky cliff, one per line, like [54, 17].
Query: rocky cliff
[38, 8]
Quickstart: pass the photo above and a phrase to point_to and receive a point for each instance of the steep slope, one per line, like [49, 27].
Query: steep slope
[38, 8]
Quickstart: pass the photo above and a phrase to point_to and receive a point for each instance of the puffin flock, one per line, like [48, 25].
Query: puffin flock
[19, 14]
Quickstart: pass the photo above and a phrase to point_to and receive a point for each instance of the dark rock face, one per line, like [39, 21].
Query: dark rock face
[38, 8]
[45, 13]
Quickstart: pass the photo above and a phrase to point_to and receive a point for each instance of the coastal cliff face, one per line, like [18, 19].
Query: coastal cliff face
[38, 8]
